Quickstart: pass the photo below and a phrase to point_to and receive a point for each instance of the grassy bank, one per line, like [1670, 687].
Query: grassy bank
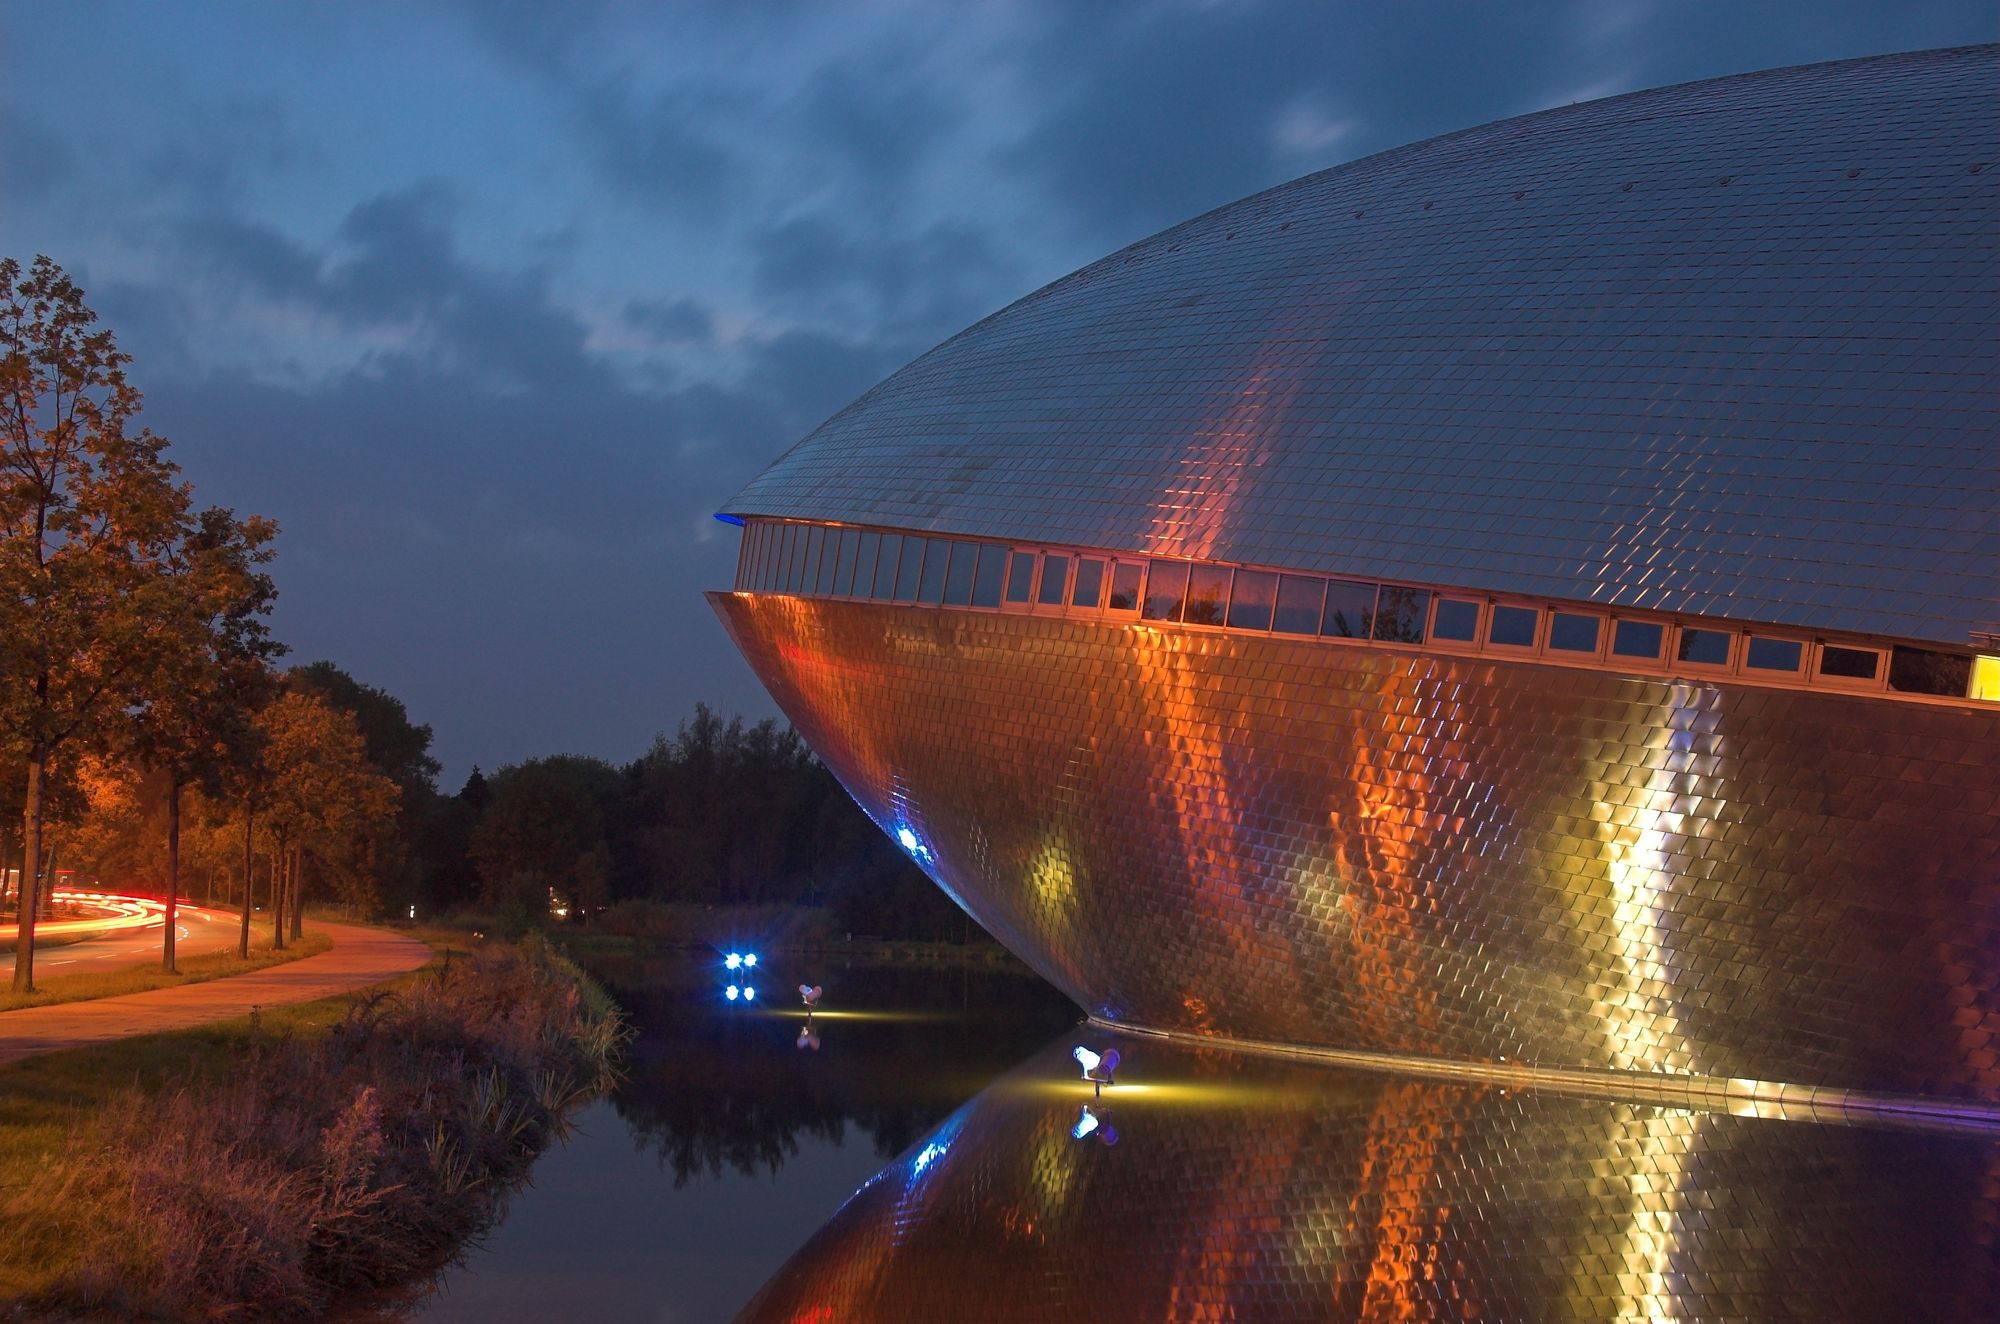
[148, 975]
[269, 1172]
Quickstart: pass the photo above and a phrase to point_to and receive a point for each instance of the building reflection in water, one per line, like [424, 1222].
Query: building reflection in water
[1246, 1188]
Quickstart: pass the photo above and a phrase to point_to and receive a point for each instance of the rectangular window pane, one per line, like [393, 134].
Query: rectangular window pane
[1020, 576]
[909, 575]
[1704, 648]
[958, 580]
[1456, 619]
[746, 547]
[1774, 654]
[1166, 589]
[885, 567]
[1513, 627]
[1637, 639]
[1985, 679]
[1399, 615]
[761, 571]
[937, 552]
[1848, 663]
[1299, 599]
[1571, 633]
[1089, 581]
[829, 556]
[1350, 609]
[1208, 595]
[1055, 579]
[843, 564]
[1921, 671]
[1125, 578]
[809, 570]
[795, 555]
[1250, 600]
[864, 564]
[986, 581]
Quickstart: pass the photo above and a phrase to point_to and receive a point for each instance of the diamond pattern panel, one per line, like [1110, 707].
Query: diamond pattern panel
[1415, 854]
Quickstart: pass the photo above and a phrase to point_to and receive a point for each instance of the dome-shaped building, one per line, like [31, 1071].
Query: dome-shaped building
[1528, 595]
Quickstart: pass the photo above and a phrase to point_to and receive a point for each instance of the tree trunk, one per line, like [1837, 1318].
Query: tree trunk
[278, 895]
[173, 871]
[243, 934]
[299, 896]
[45, 893]
[31, 858]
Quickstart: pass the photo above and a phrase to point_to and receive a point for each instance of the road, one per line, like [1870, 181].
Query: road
[199, 932]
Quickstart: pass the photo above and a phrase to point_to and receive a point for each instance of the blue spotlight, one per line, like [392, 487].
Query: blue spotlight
[732, 992]
[749, 960]
[1084, 1124]
[1097, 1069]
[749, 993]
[733, 961]
[809, 994]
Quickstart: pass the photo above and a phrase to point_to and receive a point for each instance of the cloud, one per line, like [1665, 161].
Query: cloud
[923, 284]
[672, 321]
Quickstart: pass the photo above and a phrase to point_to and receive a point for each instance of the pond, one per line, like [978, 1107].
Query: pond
[937, 1156]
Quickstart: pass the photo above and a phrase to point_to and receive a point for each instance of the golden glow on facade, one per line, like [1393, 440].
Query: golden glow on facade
[1401, 853]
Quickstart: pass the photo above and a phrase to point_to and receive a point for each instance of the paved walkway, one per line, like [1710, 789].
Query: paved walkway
[359, 957]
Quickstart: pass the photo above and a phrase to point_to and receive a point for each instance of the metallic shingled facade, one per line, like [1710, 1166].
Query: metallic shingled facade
[1723, 348]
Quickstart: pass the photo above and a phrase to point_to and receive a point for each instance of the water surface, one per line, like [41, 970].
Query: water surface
[938, 1156]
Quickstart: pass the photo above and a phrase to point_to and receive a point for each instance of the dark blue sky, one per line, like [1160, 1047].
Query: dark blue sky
[492, 305]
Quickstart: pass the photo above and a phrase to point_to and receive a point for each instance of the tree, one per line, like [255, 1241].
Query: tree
[543, 839]
[399, 749]
[324, 801]
[90, 513]
[195, 720]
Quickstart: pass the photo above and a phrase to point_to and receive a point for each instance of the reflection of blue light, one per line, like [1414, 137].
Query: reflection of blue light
[749, 994]
[926, 1156]
[749, 960]
[732, 993]
[732, 961]
[908, 838]
[1084, 1124]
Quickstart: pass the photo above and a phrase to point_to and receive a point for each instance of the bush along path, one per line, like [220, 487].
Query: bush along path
[318, 1168]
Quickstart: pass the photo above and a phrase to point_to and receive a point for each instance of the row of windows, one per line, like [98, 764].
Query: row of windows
[890, 567]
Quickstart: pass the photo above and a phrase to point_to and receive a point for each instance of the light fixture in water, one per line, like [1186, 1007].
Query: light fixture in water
[809, 994]
[1084, 1124]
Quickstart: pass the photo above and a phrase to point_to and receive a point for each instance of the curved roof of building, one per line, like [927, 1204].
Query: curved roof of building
[1727, 347]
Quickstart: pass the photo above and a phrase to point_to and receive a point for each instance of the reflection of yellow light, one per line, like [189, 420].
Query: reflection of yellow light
[1986, 679]
[885, 1017]
[1191, 1094]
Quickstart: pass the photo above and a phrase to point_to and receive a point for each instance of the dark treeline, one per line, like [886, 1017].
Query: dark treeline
[722, 813]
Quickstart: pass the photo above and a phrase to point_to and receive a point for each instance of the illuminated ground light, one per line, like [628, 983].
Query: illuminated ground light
[739, 961]
[749, 993]
[732, 992]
